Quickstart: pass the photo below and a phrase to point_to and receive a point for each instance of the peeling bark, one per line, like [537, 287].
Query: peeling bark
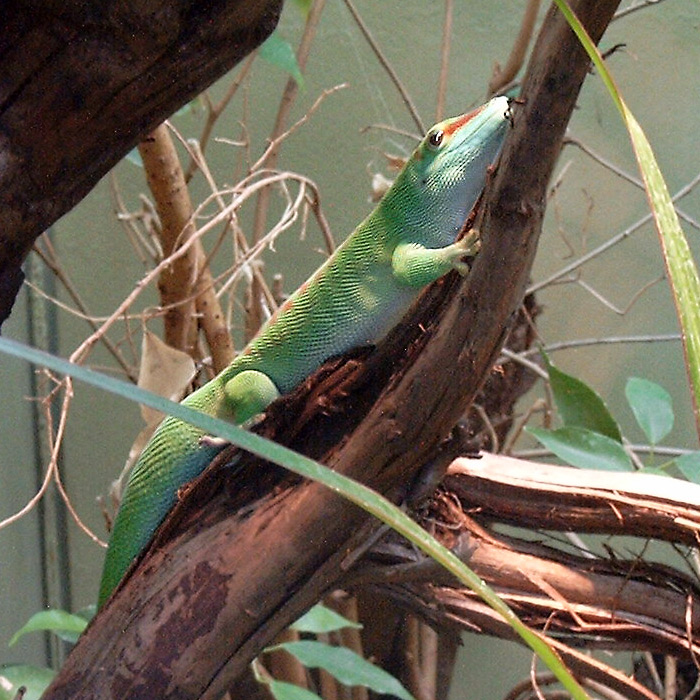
[578, 500]
[619, 602]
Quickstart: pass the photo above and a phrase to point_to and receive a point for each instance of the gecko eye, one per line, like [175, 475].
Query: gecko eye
[435, 138]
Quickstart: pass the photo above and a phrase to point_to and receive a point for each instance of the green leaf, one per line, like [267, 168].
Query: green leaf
[689, 466]
[345, 665]
[280, 689]
[579, 405]
[33, 678]
[288, 691]
[279, 52]
[321, 619]
[652, 407]
[681, 270]
[58, 621]
[585, 449]
[70, 635]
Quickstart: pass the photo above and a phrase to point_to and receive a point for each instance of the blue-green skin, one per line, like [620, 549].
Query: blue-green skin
[355, 298]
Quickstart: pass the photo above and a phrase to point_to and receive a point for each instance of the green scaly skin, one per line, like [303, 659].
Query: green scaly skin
[355, 298]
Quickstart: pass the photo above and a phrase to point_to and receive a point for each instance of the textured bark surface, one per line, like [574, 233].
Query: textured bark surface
[81, 82]
[607, 597]
[234, 568]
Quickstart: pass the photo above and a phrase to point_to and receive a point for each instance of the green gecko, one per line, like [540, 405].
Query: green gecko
[354, 299]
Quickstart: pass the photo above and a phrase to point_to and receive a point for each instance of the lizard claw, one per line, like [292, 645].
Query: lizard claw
[467, 246]
[470, 242]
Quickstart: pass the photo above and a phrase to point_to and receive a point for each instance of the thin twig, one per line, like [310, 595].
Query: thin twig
[31, 503]
[500, 77]
[642, 5]
[215, 111]
[241, 193]
[258, 289]
[523, 687]
[50, 259]
[609, 340]
[251, 271]
[392, 130]
[444, 61]
[608, 244]
[619, 311]
[488, 425]
[521, 359]
[609, 165]
[55, 439]
[274, 143]
[138, 240]
[387, 66]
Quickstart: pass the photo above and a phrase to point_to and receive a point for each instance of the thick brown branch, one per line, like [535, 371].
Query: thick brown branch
[188, 282]
[546, 496]
[593, 602]
[585, 667]
[82, 82]
[453, 611]
[616, 602]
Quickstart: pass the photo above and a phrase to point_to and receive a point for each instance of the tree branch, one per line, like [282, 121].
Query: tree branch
[580, 500]
[614, 602]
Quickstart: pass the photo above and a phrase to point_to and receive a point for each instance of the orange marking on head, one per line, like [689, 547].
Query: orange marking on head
[461, 121]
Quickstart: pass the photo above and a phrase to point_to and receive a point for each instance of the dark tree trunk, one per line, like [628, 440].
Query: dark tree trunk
[81, 82]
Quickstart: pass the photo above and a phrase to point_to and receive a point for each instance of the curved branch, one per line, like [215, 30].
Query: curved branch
[583, 500]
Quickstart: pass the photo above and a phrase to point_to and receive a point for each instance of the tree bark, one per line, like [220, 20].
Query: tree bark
[233, 569]
[83, 82]
[607, 597]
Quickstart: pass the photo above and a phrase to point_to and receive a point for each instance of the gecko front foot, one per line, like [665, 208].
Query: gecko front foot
[467, 246]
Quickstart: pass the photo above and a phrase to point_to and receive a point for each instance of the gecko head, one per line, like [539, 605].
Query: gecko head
[451, 162]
